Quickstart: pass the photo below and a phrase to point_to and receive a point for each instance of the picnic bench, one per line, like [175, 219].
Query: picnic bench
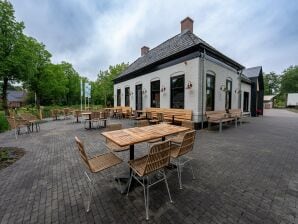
[171, 114]
[220, 117]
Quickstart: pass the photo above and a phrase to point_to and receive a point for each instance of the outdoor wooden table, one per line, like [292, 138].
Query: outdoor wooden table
[139, 112]
[131, 136]
[89, 117]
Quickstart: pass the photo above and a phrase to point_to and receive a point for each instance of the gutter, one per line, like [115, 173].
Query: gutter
[203, 75]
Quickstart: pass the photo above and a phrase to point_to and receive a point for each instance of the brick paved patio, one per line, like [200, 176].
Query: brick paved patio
[244, 175]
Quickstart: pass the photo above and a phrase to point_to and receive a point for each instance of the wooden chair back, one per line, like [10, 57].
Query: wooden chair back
[188, 124]
[158, 157]
[114, 127]
[82, 152]
[95, 114]
[11, 122]
[28, 117]
[187, 143]
[149, 115]
[160, 117]
[142, 123]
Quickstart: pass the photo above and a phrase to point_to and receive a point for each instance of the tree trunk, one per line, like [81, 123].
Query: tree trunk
[37, 101]
[4, 95]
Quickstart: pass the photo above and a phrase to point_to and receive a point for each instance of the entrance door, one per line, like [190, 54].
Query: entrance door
[139, 103]
[245, 101]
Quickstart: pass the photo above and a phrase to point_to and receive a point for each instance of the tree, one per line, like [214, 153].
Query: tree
[73, 83]
[103, 87]
[38, 61]
[271, 83]
[11, 42]
[289, 80]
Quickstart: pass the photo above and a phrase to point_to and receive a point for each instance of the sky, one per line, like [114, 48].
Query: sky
[93, 34]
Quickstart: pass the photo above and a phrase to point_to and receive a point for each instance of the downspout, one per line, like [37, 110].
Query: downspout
[203, 75]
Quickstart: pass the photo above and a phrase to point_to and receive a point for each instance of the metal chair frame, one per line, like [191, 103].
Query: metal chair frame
[150, 169]
[181, 160]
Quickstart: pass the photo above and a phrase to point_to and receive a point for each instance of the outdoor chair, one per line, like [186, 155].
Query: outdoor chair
[179, 151]
[67, 113]
[32, 120]
[179, 138]
[119, 114]
[142, 123]
[17, 124]
[151, 119]
[110, 144]
[144, 168]
[76, 115]
[95, 118]
[94, 165]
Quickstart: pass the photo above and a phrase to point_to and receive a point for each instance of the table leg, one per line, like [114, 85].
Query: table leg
[77, 119]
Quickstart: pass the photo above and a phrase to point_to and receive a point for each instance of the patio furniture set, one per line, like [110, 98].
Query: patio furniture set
[147, 170]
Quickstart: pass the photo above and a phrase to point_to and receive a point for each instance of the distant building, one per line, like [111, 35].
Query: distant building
[255, 74]
[16, 99]
[269, 101]
[292, 100]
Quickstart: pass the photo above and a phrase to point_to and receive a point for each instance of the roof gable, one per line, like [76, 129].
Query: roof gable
[171, 47]
[253, 72]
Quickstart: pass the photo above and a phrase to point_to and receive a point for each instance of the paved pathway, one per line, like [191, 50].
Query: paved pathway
[244, 175]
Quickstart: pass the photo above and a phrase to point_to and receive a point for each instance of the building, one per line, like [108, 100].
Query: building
[269, 101]
[183, 72]
[255, 74]
[292, 100]
[16, 99]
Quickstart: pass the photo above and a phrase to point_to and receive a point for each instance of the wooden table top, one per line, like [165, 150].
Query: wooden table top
[131, 136]
[86, 113]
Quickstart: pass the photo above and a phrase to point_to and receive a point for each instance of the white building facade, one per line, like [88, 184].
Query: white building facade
[197, 77]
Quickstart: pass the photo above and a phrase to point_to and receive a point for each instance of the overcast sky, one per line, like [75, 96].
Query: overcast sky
[93, 34]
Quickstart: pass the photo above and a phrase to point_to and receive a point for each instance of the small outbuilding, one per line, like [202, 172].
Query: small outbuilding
[255, 74]
[269, 101]
[16, 98]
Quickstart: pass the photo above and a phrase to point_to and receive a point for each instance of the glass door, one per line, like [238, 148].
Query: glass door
[139, 103]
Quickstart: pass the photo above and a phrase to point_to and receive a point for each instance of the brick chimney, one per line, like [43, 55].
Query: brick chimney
[187, 24]
[144, 50]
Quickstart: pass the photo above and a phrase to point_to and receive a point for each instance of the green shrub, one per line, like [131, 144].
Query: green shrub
[3, 122]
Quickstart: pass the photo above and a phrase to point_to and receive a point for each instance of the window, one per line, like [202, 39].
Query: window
[155, 94]
[177, 92]
[118, 97]
[210, 88]
[127, 102]
[228, 94]
[245, 101]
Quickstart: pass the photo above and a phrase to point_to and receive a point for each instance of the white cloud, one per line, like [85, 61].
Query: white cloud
[95, 34]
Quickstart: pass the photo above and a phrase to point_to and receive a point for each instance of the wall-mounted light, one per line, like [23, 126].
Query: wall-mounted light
[223, 88]
[163, 88]
[144, 91]
[189, 85]
[237, 91]
[131, 93]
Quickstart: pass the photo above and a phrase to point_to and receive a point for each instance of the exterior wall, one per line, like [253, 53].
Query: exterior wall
[245, 88]
[222, 72]
[190, 69]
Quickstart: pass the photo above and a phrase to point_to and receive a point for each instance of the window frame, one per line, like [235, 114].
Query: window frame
[127, 96]
[118, 97]
[172, 102]
[228, 94]
[157, 104]
[213, 92]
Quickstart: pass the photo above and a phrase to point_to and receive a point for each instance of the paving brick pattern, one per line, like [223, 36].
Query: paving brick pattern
[247, 174]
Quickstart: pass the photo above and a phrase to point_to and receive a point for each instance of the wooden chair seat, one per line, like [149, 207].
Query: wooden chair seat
[138, 165]
[103, 161]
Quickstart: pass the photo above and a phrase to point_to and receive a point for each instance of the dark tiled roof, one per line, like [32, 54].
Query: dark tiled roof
[252, 72]
[172, 46]
[244, 78]
[16, 96]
